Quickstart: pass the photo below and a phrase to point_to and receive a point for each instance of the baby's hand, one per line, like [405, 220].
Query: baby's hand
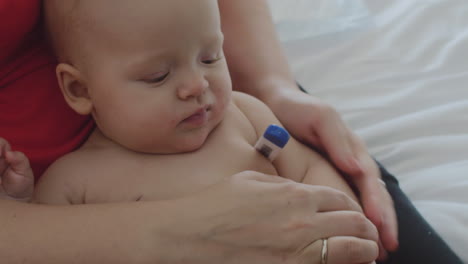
[16, 176]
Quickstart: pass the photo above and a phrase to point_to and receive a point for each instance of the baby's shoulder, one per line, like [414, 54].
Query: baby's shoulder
[249, 104]
[66, 176]
[240, 98]
[72, 163]
[255, 110]
[60, 182]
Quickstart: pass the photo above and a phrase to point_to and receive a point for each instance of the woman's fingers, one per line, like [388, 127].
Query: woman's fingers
[323, 198]
[351, 250]
[346, 223]
[340, 250]
[329, 199]
[378, 205]
[261, 177]
[389, 229]
[260, 218]
[337, 140]
[352, 238]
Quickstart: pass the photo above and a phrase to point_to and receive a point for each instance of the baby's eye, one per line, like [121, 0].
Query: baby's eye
[157, 78]
[211, 60]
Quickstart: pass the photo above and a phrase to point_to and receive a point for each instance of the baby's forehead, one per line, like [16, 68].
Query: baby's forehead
[92, 25]
[157, 18]
[118, 19]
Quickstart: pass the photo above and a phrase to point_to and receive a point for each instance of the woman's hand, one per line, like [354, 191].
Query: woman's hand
[16, 176]
[319, 125]
[262, 219]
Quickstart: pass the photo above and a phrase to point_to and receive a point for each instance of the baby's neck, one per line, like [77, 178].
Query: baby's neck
[97, 140]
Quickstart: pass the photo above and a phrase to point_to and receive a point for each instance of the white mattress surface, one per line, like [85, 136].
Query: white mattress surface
[397, 71]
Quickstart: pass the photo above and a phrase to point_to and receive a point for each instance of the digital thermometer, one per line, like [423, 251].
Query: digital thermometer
[272, 141]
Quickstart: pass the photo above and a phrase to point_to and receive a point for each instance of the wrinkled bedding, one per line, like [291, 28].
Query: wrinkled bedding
[397, 71]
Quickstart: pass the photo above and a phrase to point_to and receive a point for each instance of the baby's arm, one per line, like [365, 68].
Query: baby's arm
[296, 161]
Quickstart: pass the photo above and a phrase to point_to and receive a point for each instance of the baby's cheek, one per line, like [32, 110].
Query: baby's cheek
[167, 120]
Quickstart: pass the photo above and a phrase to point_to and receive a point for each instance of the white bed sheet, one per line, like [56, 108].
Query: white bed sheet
[397, 71]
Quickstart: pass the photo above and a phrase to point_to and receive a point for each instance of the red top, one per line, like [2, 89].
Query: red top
[34, 117]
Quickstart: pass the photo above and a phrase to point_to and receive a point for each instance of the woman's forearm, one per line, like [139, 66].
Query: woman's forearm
[255, 56]
[226, 223]
[108, 233]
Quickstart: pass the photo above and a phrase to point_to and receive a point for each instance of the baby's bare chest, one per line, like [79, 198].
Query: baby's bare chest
[159, 177]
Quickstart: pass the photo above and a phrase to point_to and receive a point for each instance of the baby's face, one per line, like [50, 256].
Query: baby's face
[156, 72]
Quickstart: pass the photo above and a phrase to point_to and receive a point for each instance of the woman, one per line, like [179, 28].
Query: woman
[36, 121]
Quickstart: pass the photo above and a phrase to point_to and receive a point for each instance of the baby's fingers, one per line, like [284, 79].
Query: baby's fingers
[19, 163]
[18, 179]
[4, 147]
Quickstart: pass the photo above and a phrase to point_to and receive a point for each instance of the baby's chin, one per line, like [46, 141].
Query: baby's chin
[190, 144]
[182, 141]
[190, 141]
[192, 148]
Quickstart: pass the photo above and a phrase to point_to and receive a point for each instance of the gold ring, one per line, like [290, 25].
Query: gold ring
[324, 254]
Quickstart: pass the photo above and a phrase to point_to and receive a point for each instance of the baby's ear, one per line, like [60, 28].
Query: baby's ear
[74, 88]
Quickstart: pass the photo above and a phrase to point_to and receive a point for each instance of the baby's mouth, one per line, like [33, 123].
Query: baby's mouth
[200, 117]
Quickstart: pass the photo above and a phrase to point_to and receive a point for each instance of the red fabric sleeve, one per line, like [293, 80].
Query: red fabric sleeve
[34, 117]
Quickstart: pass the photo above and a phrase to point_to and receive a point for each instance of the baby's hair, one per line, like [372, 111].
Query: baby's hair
[62, 27]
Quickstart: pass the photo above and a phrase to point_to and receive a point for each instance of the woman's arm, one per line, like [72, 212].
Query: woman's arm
[258, 66]
[256, 58]
[226, 223]
[111, 233]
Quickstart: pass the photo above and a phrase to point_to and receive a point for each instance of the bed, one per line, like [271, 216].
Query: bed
[397, 71]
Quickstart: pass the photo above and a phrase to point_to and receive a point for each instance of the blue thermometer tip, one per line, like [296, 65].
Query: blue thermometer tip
[277, 135]
[272, 142]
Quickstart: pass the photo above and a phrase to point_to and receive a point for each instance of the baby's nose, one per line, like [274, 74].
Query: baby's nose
[193, 87]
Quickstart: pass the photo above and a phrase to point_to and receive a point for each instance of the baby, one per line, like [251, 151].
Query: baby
[153, 76]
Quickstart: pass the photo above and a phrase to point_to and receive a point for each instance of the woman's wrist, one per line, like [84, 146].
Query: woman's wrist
[182, 232]
[138, 233]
